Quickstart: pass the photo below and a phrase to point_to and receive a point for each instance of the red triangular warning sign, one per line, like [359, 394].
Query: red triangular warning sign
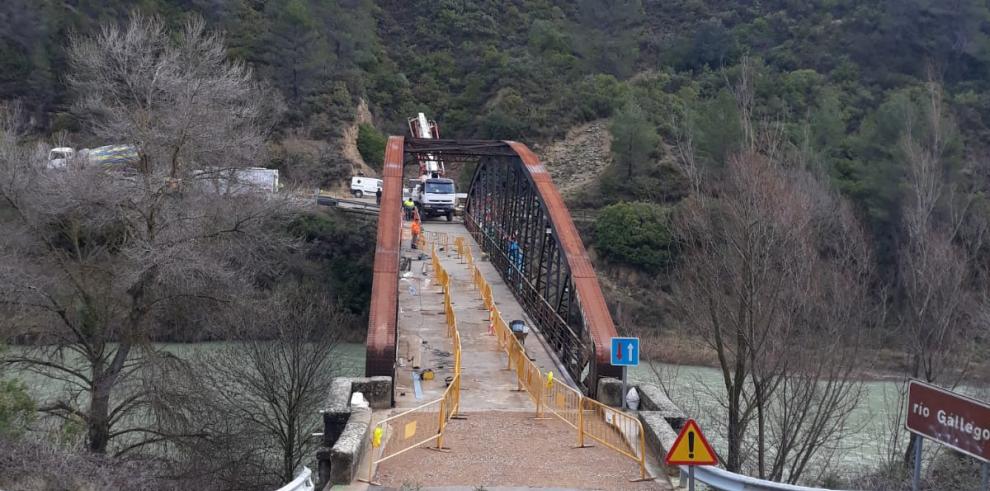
[691, 448]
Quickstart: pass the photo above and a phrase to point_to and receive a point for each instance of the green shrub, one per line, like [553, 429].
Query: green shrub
[371, 145]
[340, 253]
[17, 409]
[637, 234]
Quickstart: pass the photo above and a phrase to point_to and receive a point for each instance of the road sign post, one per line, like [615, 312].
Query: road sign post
[949, 419]
[625, 353]
[916, 473]
[691, 448]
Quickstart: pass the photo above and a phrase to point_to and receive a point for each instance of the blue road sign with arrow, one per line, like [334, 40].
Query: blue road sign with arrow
[625, 352]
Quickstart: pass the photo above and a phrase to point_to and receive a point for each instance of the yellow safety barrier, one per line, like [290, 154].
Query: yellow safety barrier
[479, 281]
[564, 402]
[528, 375]
[615, 429]
[407, 430]
[611, 427]
[486, 295]
[424, 424]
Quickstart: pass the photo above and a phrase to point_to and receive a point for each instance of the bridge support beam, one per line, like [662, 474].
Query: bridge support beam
[384, 311]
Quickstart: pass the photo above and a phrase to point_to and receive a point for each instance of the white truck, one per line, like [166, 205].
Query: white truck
[109, 155]
[239, 180]
[361, 185]
[435, 197]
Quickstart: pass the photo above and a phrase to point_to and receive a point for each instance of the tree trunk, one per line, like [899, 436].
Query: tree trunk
[761, 428]
[288, 453]
[98, 420]
[733, 462]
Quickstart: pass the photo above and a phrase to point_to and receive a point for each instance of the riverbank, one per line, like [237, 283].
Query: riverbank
[674, 348]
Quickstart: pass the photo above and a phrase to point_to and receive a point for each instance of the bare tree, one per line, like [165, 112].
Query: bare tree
[91, 256]
[942, 300]
[253, 403]
[684, 147]
[173, 93]
[774, 275]
[940, 304]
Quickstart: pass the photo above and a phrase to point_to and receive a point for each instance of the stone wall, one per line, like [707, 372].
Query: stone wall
[345, 428]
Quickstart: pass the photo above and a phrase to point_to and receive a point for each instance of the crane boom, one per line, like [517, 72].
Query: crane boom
[420, 127]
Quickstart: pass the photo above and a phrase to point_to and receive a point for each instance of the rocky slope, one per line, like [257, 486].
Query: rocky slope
[577, 161]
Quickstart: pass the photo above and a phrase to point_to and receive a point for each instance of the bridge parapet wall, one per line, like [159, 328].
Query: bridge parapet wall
[345, 428]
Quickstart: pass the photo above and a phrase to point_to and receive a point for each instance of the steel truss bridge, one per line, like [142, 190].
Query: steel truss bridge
[518, 217]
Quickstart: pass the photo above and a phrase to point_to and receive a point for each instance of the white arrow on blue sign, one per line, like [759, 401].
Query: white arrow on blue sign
[625, 352]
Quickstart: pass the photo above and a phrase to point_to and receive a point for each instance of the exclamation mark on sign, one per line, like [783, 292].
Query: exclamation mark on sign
[690, 444]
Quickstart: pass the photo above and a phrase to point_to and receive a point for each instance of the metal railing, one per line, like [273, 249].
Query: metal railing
[302, 482]
[729, 481]
[425, 424]
[574, 350]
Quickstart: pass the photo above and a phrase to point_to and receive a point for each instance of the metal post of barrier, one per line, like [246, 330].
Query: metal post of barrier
[442, 418]
[519, 368]
[581, 423]
[371, 457]
[539, 397]
[443, 424]
[508, 348]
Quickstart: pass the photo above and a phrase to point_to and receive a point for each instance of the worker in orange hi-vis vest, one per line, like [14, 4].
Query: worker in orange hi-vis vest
[415, 228]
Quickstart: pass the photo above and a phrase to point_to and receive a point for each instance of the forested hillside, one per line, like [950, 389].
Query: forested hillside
[528, 68]
[833, 72]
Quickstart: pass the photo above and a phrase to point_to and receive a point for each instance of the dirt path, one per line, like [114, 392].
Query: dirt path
[501, 448]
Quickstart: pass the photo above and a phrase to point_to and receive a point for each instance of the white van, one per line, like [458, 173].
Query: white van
[361, 186]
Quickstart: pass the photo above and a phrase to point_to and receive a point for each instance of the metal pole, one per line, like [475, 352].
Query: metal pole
[623, 388]
[985, 481]
[690, 478]
[581, 422]
[916, 481]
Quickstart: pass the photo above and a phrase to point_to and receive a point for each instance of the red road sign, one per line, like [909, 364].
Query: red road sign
[951, 419]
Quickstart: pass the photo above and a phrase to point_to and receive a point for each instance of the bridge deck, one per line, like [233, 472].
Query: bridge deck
[500, 443]
[485, 384]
